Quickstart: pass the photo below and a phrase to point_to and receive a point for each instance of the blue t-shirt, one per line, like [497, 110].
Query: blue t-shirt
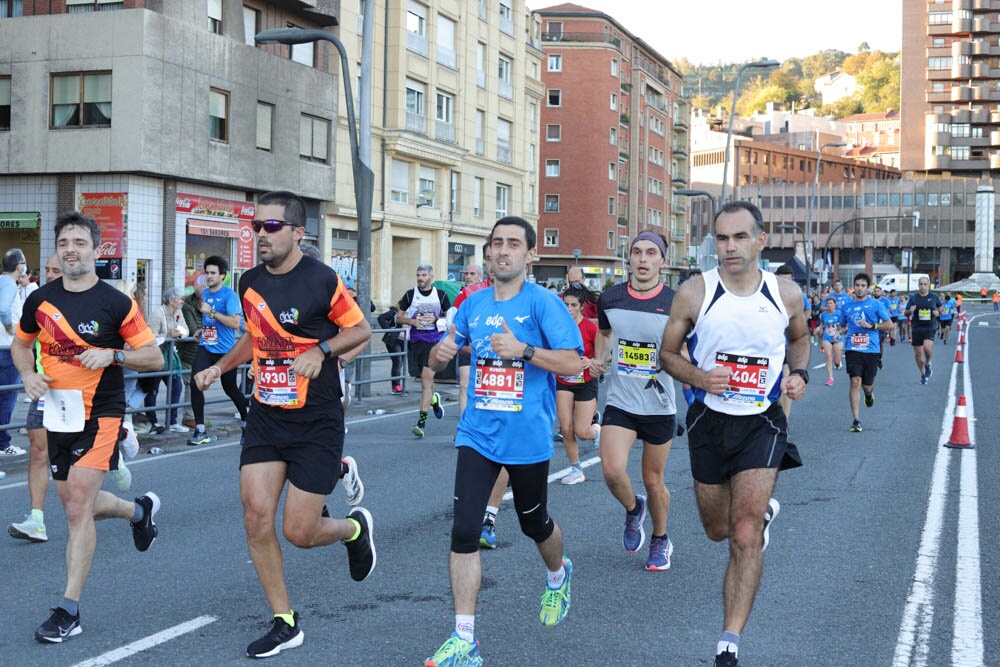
[842, 299]
[858, 338]
[945, 312]
[216, 337]
[512, 403]
[831, 326]
[894, 306]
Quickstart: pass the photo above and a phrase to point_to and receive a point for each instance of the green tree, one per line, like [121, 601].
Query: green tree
[879, 83]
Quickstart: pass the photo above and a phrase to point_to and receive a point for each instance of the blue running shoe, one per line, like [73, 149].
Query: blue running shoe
[456, 652]
[660, 550]
[488, 538]
[928, 371]
[555, 601]
[635, 534]
[436, 405]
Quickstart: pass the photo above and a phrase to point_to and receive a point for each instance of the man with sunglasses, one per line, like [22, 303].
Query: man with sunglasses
[220, 320]
[295, 431]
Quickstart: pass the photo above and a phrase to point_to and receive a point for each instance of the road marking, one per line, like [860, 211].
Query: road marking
[148, 642]
[559, 474]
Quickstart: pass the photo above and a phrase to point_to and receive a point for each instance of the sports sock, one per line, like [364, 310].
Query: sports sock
[72, 606]
[729, 641]
[422, 419]
[344, 468]
[288, 618]
[465, 626]
[38, 515]
[555, 579]
[357, 531]
[140, 513]
[660, 537]
[635, 511]
[491, 513]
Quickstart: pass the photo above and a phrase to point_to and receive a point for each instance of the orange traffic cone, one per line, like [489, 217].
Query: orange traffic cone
[961, 338]
[959, 359]
[960, 429]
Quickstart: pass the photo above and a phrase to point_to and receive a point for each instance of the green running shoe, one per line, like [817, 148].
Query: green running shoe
[456, 652]
[555, 601]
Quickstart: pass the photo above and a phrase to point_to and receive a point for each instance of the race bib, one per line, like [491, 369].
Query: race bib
[499, 384]
[859, 340]
[210, 336]
[637, 359]
[832, 332]
[747, 378]
[64, 411]
[924, 314]
[276, 383]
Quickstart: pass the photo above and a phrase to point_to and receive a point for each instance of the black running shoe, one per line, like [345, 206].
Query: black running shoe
[726, 659]
[145, 531]
[869, 399]
[60, 627]
[855, 427]
[361, 550]
[279, 637]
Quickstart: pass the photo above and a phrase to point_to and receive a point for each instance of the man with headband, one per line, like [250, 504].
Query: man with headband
[640, 403]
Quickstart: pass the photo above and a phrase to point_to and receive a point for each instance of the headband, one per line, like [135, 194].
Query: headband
[653, 238]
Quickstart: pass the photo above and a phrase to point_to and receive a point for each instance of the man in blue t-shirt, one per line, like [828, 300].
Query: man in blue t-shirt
[864, 318]
[521, 336]
[945, 315]
[221, 317]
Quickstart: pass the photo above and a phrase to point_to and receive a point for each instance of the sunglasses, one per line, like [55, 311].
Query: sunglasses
[270, 226]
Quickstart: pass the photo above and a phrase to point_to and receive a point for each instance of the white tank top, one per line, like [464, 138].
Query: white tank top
[746, 333]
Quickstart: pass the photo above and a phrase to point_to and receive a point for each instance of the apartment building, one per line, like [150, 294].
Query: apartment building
[163, 121]
[873, 137]
[948, 101]
[456, 98]
[616, 141]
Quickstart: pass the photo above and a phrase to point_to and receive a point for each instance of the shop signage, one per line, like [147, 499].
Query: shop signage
[245, 246]
[27, 220]
[214, 207]
[461, 249]
[110, 211]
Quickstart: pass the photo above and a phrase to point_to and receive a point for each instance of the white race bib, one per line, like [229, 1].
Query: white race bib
[64, 411]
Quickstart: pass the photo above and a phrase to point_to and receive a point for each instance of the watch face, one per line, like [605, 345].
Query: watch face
[119, 357]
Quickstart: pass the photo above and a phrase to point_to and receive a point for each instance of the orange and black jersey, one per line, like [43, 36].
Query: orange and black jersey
[67, 323]
[286, 315]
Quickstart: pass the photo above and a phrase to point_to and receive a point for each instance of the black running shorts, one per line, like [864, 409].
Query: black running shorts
[862, 365]
[464, 359]
[95, 447]
[418, 357]
[586, 391]
[919, 334]
[310, 442]
[652, 429]
[722, 445]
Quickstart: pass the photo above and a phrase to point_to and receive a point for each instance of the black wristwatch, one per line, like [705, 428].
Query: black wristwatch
[324, 347]
[529, 352]
[802, 373]
[119, 358]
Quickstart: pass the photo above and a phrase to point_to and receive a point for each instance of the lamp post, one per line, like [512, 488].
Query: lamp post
[576, 256]
[732, 114]
[701, 193]
[796, 228]
[812, 206]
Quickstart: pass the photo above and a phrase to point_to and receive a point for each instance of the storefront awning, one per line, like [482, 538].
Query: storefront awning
[21, 220]
[213, 228]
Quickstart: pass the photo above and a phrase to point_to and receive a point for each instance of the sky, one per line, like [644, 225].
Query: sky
[712, 31]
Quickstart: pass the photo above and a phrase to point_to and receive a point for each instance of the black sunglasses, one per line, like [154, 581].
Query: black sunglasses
[270, 226]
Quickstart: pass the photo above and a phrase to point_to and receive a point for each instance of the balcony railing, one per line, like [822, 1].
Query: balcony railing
[581, 37]
[506, 90]
[447, 56]
[416, 122]
[444, 131]
[480, 147]
[503, 152]
[506, 25]
[416, 43]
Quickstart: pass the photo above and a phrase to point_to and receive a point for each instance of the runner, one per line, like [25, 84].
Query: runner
[640, 401]
[893, 304]
[736, 320]
[521, 336]
[576, 395]
[922, 308]
[833, 342]
[295, 429]
[863, 317]
[945, 315]
[904, 318]
[83, 325]
[839, 294]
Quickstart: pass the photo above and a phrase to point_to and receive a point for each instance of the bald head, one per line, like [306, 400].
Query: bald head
[52, 270]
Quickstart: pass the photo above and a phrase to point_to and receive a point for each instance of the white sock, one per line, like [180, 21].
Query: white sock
[491, 512]
[555, 579]
[465, 626]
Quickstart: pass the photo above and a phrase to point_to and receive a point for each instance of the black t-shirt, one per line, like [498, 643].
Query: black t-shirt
[924, 307]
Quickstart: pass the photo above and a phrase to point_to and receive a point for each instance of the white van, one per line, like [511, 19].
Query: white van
[898, 282]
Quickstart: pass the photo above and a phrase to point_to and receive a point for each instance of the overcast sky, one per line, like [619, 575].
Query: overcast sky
[710, 31]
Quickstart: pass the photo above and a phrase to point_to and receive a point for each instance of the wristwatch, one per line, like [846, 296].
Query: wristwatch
[119, 358]
[802, 373]
[529, 352]
[324, 348]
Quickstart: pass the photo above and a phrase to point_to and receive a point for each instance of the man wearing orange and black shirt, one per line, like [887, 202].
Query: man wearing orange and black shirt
[299, 318]
[83, 326]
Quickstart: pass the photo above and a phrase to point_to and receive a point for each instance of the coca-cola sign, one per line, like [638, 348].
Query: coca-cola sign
[214, 207]
[110, 211]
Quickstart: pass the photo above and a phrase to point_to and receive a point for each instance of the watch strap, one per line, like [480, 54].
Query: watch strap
[324, 348]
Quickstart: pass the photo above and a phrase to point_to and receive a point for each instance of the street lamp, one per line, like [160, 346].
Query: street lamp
[732, 114]
[576, 256]
[701, 193]
[812, 206]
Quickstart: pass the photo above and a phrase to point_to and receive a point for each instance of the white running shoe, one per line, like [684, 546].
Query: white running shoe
[354, 488]
[773, 507]
[30, 529]
[12, 450]
[178, 428]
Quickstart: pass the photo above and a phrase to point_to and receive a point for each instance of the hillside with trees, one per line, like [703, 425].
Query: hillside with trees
[791, 84]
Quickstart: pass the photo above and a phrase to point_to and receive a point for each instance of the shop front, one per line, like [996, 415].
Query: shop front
[215, 227]
[460, 255]
[21, 230]
[110, 211]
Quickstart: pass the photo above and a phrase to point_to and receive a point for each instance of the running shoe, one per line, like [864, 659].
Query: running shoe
[456, 652]
[353, 486]
[829, 382]
[923, 379]
[12, 450]
[121, 477]
[279, 637]
[928, 371]
[634, 534]
[773, 507]
[200, 438]
[856, 427]
[144, 531]
[488, 538]
[60, 627]
[418, 431]
[397, 389]
[178, 428]
[555, 601]
[557, 436]
[127, 441]
[361, 550]
[574, 476]
[30, 529]
[156, 429]
[660, 550]
[726, 659]
[436, 405]
[869, 399]
[597, 435]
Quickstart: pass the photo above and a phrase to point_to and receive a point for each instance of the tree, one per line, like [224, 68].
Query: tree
[879, 83]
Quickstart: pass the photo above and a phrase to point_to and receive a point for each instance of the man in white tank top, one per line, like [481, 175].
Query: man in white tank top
[740, 324]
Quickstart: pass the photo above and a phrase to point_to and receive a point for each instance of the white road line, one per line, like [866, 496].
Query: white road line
[559, 474]
[147, 642]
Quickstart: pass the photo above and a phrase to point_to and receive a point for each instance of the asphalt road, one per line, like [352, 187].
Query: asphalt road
[885, 552]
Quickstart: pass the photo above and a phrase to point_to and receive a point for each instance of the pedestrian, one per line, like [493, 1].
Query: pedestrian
[220, 322]
[295, 429]
[25, 285]
[83, 325]
[740, 324]
[996, 301]
[167, 324]
[521, 336]
[419, 310]
[863, 320]
[394, 344]
[188, 350]
[640, 402]
[922, 308]
[14, 266]
[474, 281]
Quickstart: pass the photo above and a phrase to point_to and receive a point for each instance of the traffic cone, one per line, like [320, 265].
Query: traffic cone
[960, 429]
[961, 339]
[959, 359]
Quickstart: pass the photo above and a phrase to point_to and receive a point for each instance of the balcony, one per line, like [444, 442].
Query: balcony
[505, 90]
[503, 151]
[444, 131]
[599, 37]
[416, 122]
[447, 57]
[416, 43]
[481, 78]
[506, 25]
[482, 10]
[480, 147]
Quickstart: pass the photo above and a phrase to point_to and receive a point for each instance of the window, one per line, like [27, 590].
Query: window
[454, 191]
[415, 119]
[614, 67]
[555, 63]
[503, 141]
[552, 168]
[480, 125]
[532, 116]
[611, 208]
[444, 116]
[613, 137]
[416, 28]
[218, 114]
[480, 64]
[531, 199]
[4, 102]
[81, 100]
[503, 74]
[265, 116]
[304, 54]
[427, 187]
[612, 171]
[446, 42]
[550, 237]
[399, 190]
[11, 8]
[614, 102]
[251, 25]
[84, 6]
[553, 133]
[553, 31]
[506, 19]
[314, 138]
[215, 16]
[503, 200]
[477, 198]
[551, 203]
[531, 158]
[555, 97]
[611, 240]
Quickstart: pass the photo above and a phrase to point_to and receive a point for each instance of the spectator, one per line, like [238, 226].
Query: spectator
[14, 267]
